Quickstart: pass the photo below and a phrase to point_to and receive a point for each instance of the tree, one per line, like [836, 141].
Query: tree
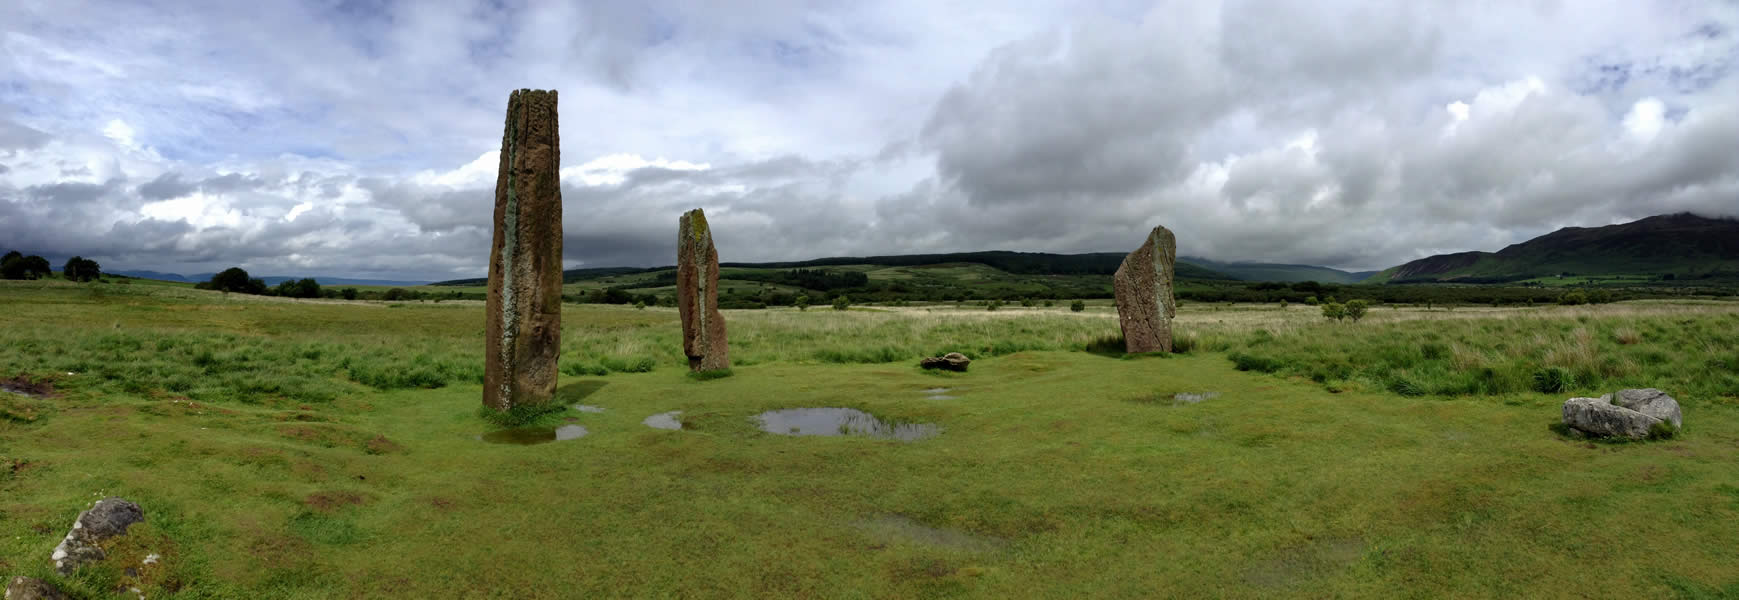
[1311, 300]
[18, 266]
[1573, 298]
[1334, 311]
[234, 279]
[802, 302]
[298, 288]
[395, 294]
[1282, 304]
[348, 293]
[841, 302]
[1355, 309]
[81, 269]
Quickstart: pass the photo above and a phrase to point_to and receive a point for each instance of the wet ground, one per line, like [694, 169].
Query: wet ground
[842, 421]
[534, 435]
[24, 386]
[664, 420]
[1192, 398]
[940, 393]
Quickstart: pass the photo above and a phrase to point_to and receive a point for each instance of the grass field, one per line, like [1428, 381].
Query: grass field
[328, 449]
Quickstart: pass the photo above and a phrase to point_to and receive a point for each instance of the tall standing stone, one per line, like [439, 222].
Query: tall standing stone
[697, 295]
[1143, 284]
[525, 261]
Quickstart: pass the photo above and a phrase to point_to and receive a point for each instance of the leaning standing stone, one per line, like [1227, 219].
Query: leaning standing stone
[109, 517]
[1651, 402]
[525, 260]
[697, 295]
[1143, 285]
[1598, 417]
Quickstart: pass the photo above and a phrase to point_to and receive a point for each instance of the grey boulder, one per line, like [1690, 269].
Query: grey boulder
[107, 518]
[1651, 402]
[1600, 418]
[29, 588]
[952, 361]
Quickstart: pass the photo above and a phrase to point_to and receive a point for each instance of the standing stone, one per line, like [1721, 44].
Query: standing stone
[1143, 285]
[697, 295]
[525, 261]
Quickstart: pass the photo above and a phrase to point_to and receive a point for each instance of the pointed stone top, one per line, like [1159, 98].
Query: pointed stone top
[695, 222]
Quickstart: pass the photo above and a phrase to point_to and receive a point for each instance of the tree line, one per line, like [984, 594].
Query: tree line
[16, 265]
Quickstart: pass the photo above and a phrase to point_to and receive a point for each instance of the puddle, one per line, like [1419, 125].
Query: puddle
[841, 421]
[664, 421]
[23, 387]
[940, 393]
[587, 408]
[1189, 398]
[896, 528]
[534, 435]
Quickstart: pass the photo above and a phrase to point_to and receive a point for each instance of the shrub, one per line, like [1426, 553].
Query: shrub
[1311, 300]
[1355, 309]
[1553, 380]
[1251, 362]
[802, 302]
[348, 293]
[1077, 306]
[1573, 298]
[643, 364]
[576, 368]
[710, 374]
[1334, 311]
[1405, 387]
[841, 303]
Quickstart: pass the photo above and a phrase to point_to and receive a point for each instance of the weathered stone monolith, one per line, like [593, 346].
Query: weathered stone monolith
[1145, 305]
[697, 295]
[525, 261]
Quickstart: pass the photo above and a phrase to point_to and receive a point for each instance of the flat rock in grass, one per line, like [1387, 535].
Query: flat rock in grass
[1651, 402]
[1601, 418]
[107, 518]
[30, 588]
[952, 361]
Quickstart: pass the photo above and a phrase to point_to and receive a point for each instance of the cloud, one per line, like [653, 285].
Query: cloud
[362, 139]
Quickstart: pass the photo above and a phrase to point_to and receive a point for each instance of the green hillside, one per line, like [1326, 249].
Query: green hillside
[1286, 273]
[1666, 247]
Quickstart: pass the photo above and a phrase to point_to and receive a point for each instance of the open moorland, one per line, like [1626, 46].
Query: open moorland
[329, 448]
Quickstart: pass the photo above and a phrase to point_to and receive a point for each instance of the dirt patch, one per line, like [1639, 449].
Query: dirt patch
[25, 385]
[337, 436]
[12, 468]
[332, 501]
[442, 504]
[381, 445]
[1297, 564]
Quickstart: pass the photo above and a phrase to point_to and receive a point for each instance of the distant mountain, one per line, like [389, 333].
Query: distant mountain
[1682, 245]
[1286, 273]
[270, 279]
[1020, 263]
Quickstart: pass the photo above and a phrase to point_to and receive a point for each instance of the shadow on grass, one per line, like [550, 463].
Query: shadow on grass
[575, 392]
[1113, 347]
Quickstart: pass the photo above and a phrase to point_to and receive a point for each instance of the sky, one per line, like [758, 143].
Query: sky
[355, 138]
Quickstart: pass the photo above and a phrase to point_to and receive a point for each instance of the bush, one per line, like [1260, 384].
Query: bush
[1251, 362]
[1553, 380]
[710, 374]
[1355, 309]
[802, 302]
[841, 303]
[348, 293]
[643, 364]
[577, 369]
[1311, 300]
[1573, 298]
[1077, 306]
[1334, 311]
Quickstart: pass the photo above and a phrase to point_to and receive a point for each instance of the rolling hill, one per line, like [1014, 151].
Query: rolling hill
[1285, 273]
[1016, 263]
[1677, 246]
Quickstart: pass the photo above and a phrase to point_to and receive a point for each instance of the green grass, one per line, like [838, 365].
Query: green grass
[296, 474]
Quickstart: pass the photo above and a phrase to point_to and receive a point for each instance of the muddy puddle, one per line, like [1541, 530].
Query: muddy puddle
[664, 421]
[24, 387]
[587, 408]
[534, 435]
[901, 529]
[939, 393]
[842, 421]
[1193, 397]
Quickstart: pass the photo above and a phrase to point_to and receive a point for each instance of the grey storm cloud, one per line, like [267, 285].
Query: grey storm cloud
[1348, 133]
